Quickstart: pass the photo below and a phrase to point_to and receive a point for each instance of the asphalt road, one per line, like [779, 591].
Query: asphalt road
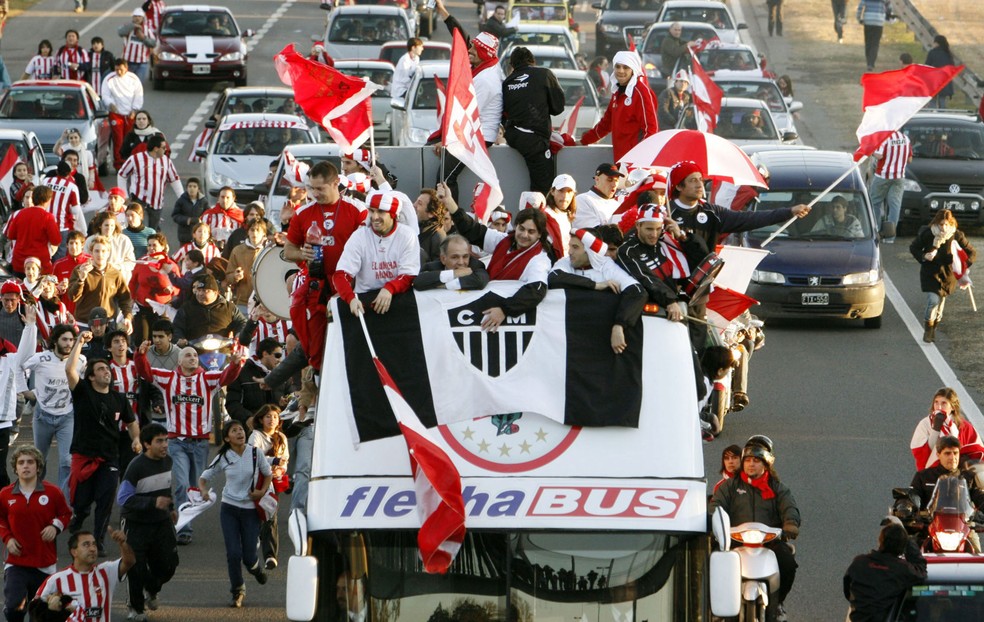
[839, 401]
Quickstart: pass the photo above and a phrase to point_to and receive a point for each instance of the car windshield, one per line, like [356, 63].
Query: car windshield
[267, 141]
[714, 59]
[767, 92]
[689, 33]
[841, 215]
[718, 18]
[548, 59]
[540, 12]
[535, 38]
[425, 97]
[43, 104]
[198, 24]
[367, 29]
[575, 88]
[394, 53]
[632, 5]
[945, 602]
[281, 104]
[740, 123]
[947, 142]
[381, 76]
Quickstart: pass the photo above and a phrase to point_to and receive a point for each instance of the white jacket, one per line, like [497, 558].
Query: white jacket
[12, 379]
[488, 91]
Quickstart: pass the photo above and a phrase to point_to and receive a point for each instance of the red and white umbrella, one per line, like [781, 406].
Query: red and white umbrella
[719, 158]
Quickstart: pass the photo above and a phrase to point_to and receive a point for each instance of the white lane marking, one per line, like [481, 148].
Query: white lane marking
[968, 407]
[99, 19]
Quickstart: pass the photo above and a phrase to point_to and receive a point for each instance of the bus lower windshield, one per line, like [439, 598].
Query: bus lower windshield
[943, 603]
[550, 576]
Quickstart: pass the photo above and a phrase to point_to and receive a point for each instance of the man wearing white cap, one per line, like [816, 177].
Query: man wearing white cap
[138, 40]
[587, 266]
[384, 257]
[631, 113]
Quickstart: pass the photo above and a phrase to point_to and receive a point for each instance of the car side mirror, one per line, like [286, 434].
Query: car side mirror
[326, 6]
[210, 124]
[788, 137]
[201, 153]
[597, 5]
[742, 26]
[399, 103]
[795, 106]
[249, 32]
[100, 113]
[261, 189]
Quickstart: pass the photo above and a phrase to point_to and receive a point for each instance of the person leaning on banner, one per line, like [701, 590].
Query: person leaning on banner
[587, 266]
[455, 270]
[520, 255]
[383, 257]
[645, 258]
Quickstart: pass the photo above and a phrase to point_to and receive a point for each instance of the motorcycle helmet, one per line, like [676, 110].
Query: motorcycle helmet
[760, 447]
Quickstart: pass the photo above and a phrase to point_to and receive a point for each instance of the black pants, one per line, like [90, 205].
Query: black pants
[269, 539]
[126, 452]
[840, 16]
[872, 39]
[100, 489]
[152, 217]
[4, 448]
[787, 568]
[775, 17]
[20, 584]
[452, 168]
[539, 161]
[156, 549]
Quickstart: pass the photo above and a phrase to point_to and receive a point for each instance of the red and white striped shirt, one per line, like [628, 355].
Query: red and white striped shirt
[91, 592]
[126, 381]
[71, 56]
[153, 14]
[187, 399]
[897, 151]
[134, 49]
[147, 177]
[266, 330]
[210, 252]
[65, 204]
[95, 75]
[49, 319]
[41, 67]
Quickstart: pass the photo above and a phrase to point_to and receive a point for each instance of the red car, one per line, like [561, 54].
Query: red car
[200, 43]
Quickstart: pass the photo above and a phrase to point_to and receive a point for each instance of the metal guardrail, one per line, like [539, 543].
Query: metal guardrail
[967, 81]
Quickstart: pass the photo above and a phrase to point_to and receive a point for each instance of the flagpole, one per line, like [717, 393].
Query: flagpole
[372, 145]
[443, 150]
[365, 331]
[814, 201]
[973, 303]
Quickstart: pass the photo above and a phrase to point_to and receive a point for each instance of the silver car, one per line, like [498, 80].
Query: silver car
[360, 31]
[743, 121]
[415, 116]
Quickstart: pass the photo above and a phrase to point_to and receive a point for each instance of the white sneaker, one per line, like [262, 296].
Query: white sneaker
[150, 601]
[136, 617]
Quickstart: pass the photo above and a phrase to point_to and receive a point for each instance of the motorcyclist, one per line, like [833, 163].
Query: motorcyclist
[757, 495]
[924, 482]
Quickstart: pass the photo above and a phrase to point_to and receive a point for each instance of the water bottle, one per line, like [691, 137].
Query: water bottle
[314, 237]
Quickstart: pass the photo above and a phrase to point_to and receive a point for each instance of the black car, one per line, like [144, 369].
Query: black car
[827, 264]
[947, 168]
[620, 19]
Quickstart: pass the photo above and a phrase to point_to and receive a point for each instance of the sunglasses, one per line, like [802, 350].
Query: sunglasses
[278, 355]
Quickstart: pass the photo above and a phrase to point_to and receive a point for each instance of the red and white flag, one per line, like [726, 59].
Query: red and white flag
[295, 171]
[340, 103]
[961, 267]
[7, 168]
[569, 125]
[461, 127]
[201, 142]
[707, 97]
[440, 504]
[892, 97]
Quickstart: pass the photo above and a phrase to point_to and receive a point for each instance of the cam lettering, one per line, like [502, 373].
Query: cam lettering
[578, 501]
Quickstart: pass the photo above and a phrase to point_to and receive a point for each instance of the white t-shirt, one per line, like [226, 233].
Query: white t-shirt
[51, 381]
[593, 210]
[607, 270]
[374, 261]
[405, 68]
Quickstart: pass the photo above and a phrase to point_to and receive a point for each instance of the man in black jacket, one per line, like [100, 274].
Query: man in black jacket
[246, 395]
[948, 452]
[876, 580]
[530, 95]
[455, 270]
[496, 24]
[206, 314]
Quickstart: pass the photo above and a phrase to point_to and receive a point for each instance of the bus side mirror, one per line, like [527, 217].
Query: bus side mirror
[302, 588]
[725, 572]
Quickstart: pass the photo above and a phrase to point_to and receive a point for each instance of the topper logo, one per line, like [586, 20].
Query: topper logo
[607, 502]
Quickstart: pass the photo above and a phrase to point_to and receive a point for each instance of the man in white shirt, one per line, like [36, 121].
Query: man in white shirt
[406, 67]
[122, 93]
[596, 206]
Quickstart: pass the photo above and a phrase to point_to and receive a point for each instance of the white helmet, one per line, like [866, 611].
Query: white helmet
[682, 75]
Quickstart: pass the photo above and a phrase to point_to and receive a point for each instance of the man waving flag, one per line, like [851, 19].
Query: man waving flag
[461, 126]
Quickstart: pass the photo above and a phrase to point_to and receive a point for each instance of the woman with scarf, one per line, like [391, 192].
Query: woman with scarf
[151, 282]
[143, 128]
[945, 256]
[944, 419]
[560, 209]
[522, 255]
[631, 113]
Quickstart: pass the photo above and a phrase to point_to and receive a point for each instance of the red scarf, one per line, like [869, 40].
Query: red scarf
[507, 264]
[553, 232]
[761, 484]
[485, 64]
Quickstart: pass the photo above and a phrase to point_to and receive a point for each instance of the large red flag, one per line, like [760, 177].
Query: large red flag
[340, 103]
[7, 168]
[436, 480]
[892, 97]
[707, 97]
[461, 127]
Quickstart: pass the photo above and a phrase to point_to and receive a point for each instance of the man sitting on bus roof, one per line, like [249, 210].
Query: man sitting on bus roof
[455, 270]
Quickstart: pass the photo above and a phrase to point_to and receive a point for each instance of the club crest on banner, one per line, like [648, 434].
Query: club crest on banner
[495, 353]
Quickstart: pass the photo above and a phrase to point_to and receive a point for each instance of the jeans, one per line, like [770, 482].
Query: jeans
[270, 538]
[241, 532]
[934, 307]
[140, 69]
[20, 583]
[888, 192]
[188, 456]
[840, 16]
[302, 468]
[872, 40]
[61, 428]
[775, 17]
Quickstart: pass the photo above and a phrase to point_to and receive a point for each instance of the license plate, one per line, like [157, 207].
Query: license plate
[815, 299]
[956, 206]
[201, 69]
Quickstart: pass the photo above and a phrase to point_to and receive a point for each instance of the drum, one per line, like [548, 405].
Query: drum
[698, 286]
[270, 274]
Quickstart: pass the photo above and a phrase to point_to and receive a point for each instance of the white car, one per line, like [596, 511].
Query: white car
[735, 122]
[577, 84]
[415, 116]
[528, 33]
[712, 12]
[549, 56]
[360, 31]
[766, 90]
[379, 72]
[243, 146]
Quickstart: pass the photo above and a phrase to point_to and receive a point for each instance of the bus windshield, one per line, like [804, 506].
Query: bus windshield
[549, 576]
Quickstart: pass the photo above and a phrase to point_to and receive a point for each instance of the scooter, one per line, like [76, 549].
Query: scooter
[757, 564]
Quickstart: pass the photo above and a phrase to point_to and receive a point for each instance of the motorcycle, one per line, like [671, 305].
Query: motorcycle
[729, 394]
[757, 565]
[946, 525]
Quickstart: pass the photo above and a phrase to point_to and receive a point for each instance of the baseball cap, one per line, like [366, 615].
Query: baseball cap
[564, 181]
[207, 282]
[98, 312]
[116, 191]
[608, 169]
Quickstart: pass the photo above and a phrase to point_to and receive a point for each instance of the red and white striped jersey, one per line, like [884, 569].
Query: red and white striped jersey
[147, 177]
[187, 399]
[264, 330]
[41, 67]
[96, 76]
[220, 221]
[91, 592]
[897, 151]
[153, 14]
[134, 50]
[68, 56]
[126, 381]
[210, 251]
[49, 319]
[64, 202]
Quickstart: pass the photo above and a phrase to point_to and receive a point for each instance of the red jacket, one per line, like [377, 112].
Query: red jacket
[628, 124]
[23, 519]
[148, 282]
[32, 229]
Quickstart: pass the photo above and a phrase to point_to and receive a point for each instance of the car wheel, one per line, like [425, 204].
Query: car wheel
[241, 81]
[873, 322]
[158, 84]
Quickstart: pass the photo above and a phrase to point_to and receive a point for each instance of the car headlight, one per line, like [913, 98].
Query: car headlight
[170, 57]
[911, 185]
[773, 278]
[418, 135]
[217, 180]
[611, 28]
[231, 56]
[861, 278]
